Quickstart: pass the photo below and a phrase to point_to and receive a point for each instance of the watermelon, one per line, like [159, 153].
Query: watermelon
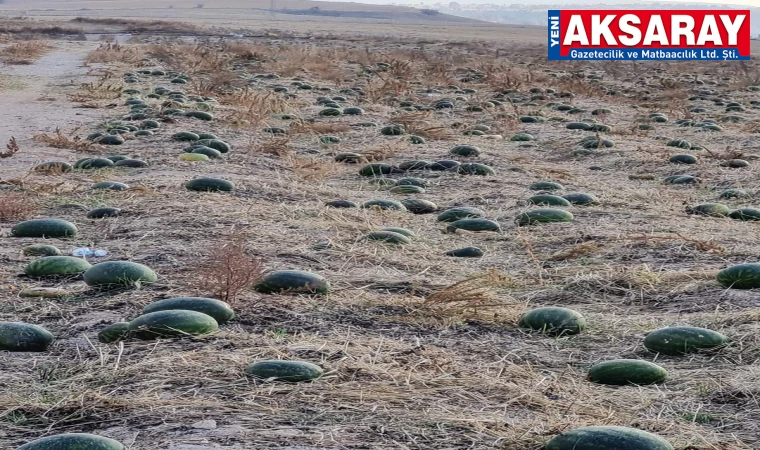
[293, 281]
[418, 206]
[393, 130]
[543, 215]
[375, 169]
[291, 371]
[73, 441]
[474, 169]
[342, 204]
[414, 165]
[553, 321]
[193, 157]
[119, 273]
[110, 185]
[746, 214]
[208, 151]
[209, 185]
[173, 322]
[682, 340]
[735, 163]
[473, 224]
[683, 159]
[466, 252]
[406, 189]
[202, 115]
[100, 213]
[216, 144]
[579, 198]
[444, 164]
[350, 158]
[94, 163]
[114, 333]
[131, 163]
[607, 438]
[39, 228]
[41, 250]
[548, 200]
[465, 150]
[411, 181]
[24, 337]
[53, 167]
[384, 204]
[399, 230]
[460, 212]
[621, 372]
[185, 136]
[709, 209]
[56, 265]
[389, 237]
[221, 311]
[546, 186]
[734, 193]
[740, 276]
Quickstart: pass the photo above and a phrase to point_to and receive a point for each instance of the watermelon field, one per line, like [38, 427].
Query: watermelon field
[316, 241]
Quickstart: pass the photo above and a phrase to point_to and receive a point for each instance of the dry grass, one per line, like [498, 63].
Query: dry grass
[11, 148]
[23, 52]
[413, 358]
[16, 206]
[109, 52]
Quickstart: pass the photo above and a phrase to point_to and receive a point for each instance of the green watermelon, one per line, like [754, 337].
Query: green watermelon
[709, 209]
[682, 340]
[209, 185]
[393, 130]
[734, 193]
[553, 321]
[342, 204]
[208, 151]
[375, 169]
[291, 371]
[460, 212]
[473, 224]
[389, 237]
[114, 333]
[543, 215]
[745, 214]
[41, 250]
[466, 252]
[548, 200]
[683, 159]
[202, 115]
[740, 276]
[406, 189]
[131, 163]
[411, 181]
[185, 136]
[621, 372]
[607, 438]
[465, 150]
[73, 441]
[399, 230]
[56, 265]
[111, 185]
[24, 337]
[119, 273]
[474, 169]
[173, 322]
[221, 311]
[293, 281]
[101, 213]
[216, 144]
[39, 228]
[546, 186]
[579, 198]
[418, 206]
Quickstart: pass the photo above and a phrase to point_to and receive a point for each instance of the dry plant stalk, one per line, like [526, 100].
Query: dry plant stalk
[60, 140]
[576, 251]
[472, 293]
[11, 148]
[16, 206]
[229, 270]
[32, 49]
